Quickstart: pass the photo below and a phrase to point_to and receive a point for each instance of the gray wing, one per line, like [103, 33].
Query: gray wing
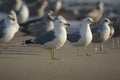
[73, 37]
[96, 32]
[33, 29]
[44, 38]
[94, 29]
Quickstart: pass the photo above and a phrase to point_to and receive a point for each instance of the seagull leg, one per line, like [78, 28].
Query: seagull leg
[87, 53]
[78, 49]
[101, 47]
[118, 42]
[52, 51]
[113, 43]
[54, 54]
[95, 47]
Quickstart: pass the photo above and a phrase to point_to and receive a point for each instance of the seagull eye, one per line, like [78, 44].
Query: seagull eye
[89, 19]
[60, 21]
[12, 19]
[106, 20]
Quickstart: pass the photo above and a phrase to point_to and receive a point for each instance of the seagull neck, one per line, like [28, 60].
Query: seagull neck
[44, 5]
[85, 27]
[59, 28]
[18, 5]
[106, 26]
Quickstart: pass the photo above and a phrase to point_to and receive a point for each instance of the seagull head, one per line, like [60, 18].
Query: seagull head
[59, 22]
[48, 15]
[11, 18]
[88, 20]
[17, 4]
[106, 20]
[100, 5]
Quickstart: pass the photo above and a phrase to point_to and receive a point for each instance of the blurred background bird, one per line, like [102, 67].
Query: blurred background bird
[101, 33]
[8, 27]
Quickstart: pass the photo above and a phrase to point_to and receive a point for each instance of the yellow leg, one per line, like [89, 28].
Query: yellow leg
[52, 51]
[78, 48]
[87, 53]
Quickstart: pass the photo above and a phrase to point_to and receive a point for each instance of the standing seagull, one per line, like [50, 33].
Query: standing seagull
[8, 28]
[53, 39]
[97, 13]
[101, 33]
[83, 36]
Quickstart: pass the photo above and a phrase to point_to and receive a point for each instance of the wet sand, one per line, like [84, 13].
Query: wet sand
[19, 62]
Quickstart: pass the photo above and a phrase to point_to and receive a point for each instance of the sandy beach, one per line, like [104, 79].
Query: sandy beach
[19, 62]
[30, 62]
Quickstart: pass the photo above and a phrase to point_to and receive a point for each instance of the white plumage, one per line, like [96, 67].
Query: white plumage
[53, 39]
[83, 36]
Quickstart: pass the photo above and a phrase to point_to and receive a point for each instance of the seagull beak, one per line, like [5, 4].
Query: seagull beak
[66, 24]
[111, 22]
[11, 17]
[92, 21]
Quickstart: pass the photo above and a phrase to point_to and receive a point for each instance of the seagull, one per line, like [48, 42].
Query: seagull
[101, 33]
[8, 28]
[39, 27]
[83, 36]
[19, 6]
[53, 39]
[97, 13]
[21, 10]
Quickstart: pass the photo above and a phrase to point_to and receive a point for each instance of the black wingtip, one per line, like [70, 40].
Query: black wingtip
[27, 42]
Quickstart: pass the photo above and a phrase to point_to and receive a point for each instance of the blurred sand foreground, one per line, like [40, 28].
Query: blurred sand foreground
[33, 63]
